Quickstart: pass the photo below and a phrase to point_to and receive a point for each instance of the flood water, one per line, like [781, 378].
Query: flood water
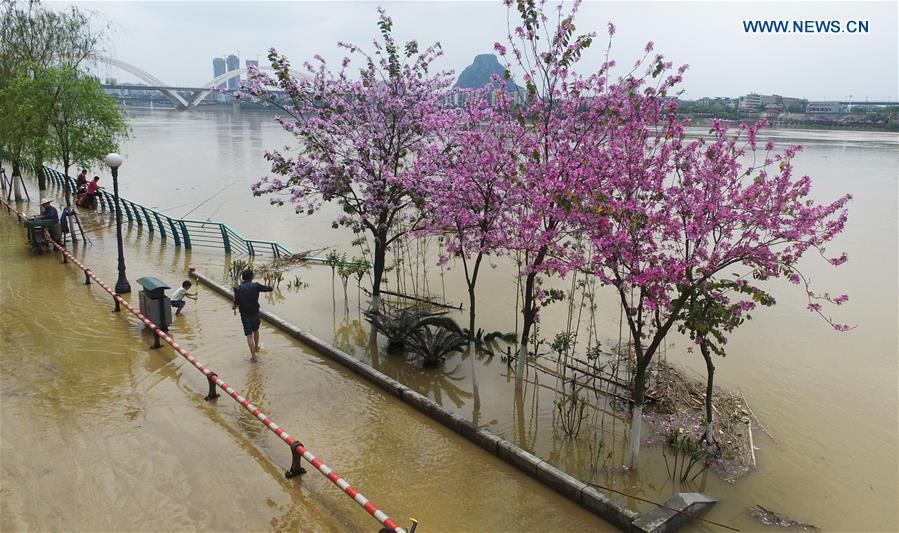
[136, 436]
[101, 433]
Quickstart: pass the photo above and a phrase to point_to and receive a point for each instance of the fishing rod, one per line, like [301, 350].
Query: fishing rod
[206, 200]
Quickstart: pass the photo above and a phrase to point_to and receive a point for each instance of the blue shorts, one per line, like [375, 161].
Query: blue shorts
[249, 325]
[178, 304]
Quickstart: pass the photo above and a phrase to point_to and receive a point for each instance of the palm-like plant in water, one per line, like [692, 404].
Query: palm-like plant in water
[399, 327]
[433, 343]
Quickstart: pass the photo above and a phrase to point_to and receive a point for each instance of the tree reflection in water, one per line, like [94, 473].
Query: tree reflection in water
[353, 337]
[430, 382]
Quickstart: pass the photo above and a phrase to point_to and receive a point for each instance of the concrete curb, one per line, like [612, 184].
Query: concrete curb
[547, 474]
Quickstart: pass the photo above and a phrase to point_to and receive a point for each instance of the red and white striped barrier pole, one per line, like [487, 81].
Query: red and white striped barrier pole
[296, 447]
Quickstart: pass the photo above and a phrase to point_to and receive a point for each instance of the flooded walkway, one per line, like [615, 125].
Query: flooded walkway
[101, 433]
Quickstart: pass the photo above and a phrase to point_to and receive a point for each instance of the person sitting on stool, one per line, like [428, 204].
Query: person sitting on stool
[48, 212]
[89, 198]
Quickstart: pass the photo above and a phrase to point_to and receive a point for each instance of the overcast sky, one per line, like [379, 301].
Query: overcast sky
[176, 41]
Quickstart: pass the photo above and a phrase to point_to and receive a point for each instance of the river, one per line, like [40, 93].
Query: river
[136, 424]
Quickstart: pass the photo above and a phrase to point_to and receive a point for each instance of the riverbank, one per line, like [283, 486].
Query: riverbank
[835, 126]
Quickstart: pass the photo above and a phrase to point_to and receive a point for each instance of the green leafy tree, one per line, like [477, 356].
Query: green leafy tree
[34, 39]
[85, 123]
[21, 105]
[709, 315]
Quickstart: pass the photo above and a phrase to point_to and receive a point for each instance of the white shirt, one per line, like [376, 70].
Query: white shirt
[179, 294]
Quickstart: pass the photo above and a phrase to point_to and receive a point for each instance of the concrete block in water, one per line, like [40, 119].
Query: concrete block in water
[525, 461]
[560, 481]
[661, 520]
[615, 513]
[481, 437]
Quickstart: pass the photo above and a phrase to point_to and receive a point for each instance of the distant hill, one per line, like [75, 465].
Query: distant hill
[479, 73]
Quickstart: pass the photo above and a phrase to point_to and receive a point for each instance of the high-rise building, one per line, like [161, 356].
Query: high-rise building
[253, 62]
[218, 68]
[233, 64]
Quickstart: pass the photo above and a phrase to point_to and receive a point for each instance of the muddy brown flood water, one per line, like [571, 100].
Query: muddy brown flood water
[101, 433]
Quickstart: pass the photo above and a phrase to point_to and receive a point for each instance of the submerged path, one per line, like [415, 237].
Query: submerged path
[99, 432]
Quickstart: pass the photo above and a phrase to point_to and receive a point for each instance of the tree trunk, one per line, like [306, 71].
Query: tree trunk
[472, 281]
[68, 192]
[527, 311]
[637, 412]
[709, 389]
[41, 177]
[471, 312]
[17, 181]
[378, 269]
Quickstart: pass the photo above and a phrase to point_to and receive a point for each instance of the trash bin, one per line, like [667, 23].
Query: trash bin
[154, 304]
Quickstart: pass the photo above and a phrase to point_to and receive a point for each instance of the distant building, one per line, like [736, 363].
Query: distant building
[252, 62]
[218, 68]
[111, 81]
[757, 102]
[233, 64]
[826, 108]
[794, 105]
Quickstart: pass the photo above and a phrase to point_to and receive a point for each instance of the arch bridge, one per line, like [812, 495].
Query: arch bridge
[195, 95]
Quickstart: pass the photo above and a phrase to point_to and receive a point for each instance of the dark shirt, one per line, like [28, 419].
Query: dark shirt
[50, 213]
[246, 296]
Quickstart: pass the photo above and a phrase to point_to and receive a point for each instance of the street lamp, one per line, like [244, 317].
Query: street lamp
[121, 285]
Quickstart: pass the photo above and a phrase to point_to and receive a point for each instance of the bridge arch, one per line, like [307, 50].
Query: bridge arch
[176, 98]
[231, 74]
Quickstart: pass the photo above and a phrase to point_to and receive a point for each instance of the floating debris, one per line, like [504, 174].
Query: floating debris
[679, 408]
[774, 519]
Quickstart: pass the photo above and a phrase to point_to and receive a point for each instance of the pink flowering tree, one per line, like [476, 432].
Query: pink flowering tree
[469, 196]
[565, 119]
[676, 215]
[369, 143]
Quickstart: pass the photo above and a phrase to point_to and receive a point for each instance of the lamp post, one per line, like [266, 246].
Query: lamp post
[121, 285]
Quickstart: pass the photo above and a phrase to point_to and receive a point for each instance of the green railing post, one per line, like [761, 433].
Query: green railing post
[250, 250]
[147, 216]
[225, 239]
[159, 223]
[185, 234]
[125, 209]
[174, 231]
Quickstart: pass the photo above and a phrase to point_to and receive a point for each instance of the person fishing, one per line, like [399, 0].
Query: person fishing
[90, 194]
[48, 212]
[81, 182]
[246, 298]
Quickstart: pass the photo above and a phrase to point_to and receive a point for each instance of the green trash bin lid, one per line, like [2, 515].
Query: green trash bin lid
[151, 284]
[40, 223]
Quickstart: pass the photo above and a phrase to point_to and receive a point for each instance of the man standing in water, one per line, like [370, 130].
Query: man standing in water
[246, 298]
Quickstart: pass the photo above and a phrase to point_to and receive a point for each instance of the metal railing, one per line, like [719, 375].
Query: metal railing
[184, 232]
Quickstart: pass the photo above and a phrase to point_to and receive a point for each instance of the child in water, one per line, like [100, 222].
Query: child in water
[179, 295]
